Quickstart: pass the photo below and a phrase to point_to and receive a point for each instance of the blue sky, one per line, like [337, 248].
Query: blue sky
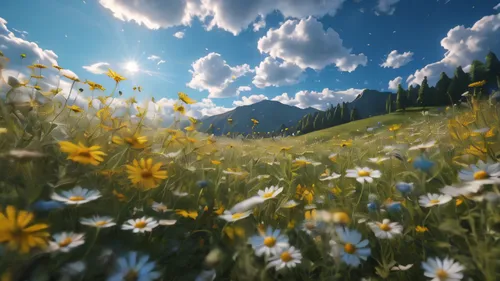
[310, 72]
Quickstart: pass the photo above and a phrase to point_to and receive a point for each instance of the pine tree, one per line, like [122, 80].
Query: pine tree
[354, 114]
[423, 93]
[459, 84]
[401, 99]
[316, 122]
[210, 129]
[441, 91]
[477, 71]
[388, 104]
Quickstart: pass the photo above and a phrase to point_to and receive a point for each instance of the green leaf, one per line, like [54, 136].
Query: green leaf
[453, 227]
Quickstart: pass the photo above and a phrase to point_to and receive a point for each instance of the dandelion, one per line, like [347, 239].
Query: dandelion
[134, 267]
[160, 207]
[81, 153]
[17, 230]
[288, 258]
[232, 217]
[75, 108]
[141, 225]
[66, 241]
[421, 229]
[270, 192]
[443, 270]
[430, 200]
[270, 243]
[180, 108]
[115, 76]
[76, 196]
[187, 214]
[385, 229]
[352, 249]
[363, 174]
[98, 222]
[145, 174]
[185, 98]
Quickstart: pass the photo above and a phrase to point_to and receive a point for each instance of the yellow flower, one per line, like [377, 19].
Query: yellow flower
[93, 86]
[341, 218]
[185, 98]
[233, 232]
[3, 131]
[14, 231]
[230, 120]
[180, 108]
[394, 127]
[131, 100]
[120, 196]
[216, 162]
[466, 118]
[310, 214]
[37, 87]
[102, 99]
[346, 143]
[421, 229]
[75, 108]
[38, 65]
[477, 84]
[254, 121]
[37, 76]
[136, 141]
[187, 214]
[305, 193]
[71, 77]
[115, 76]
[57, 67]
[477, 150]
[82, 154]
[286, 148]
[145, 174]
[103, 113]
[458, 202]
[457, 131]
[190, 128]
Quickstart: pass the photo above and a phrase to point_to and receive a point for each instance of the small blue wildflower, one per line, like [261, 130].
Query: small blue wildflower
[353, 249]
[422, 163]
[404, 187]
[133, 267]
[42, 205]
[202, 183]
[372, 206]
[394, 207]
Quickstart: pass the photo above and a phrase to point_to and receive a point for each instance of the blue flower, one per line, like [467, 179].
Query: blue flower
[404, 187]
[422, 163]
[354, 249]
[132, 267]
[372, 206]
[394, 207]
[202, 184]
[42, 205]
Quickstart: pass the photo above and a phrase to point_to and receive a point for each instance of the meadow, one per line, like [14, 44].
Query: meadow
[93, 194]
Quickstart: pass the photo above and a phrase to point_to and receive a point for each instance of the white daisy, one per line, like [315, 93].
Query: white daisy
[76, 196]
[423, 146]
[140, 225]
[465, 189]
[386, 229]
[289, 258]
[290, 204]
[167, 222]
[432, 199]
[180, 194]
[99, 222]
[247, 204]
[160, 207]
[270, 192]
[363, 174]
[443, 270]
[330, 177]
[232, 217]
[401, 267]
[486, 173]
[270, 243]
[66, 241]
[378, 160]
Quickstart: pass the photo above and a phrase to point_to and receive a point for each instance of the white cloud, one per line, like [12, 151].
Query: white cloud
[213, 74]
[3, 46]
[386, 7]
[97, 68]
[249, 100]
[319, 100]
[462, 45]
[160, 62]
[244, 89]
[393, 84]
[306, 44]
[230, 15]
[179, 34]
[395, 60]
[261, 23]
[497, 7]
[154, 58]
[271, 72]
[206, 107]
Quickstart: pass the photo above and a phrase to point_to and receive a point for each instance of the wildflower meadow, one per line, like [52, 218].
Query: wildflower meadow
[92, 193]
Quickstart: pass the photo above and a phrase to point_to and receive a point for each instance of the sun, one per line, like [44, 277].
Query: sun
[132, 66]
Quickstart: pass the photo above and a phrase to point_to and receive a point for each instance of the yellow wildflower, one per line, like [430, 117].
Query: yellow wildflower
[180, 108]
[477, 84]
[115, 76]
[185, 98]
[421, 229]
[145, 174]
[16, 232]
[187, 214]
[82, 154]
[75, 108]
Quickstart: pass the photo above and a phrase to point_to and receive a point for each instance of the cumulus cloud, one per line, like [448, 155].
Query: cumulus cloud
[259, 24]
[212, 73]
[206, 107]
[396, 60]
[249, 100]
[393, 84]
[319, 100]
[306, 44]
[97, 68]
[386, 7]
[271, 72]
[179, 34]
[230, 15]
[462, 45]
[497, 7]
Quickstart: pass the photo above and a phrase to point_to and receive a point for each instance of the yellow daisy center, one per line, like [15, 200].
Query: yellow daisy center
[131, 276]
[236, 216]
[65, 242]
[270, 241]
[285, 256]
[76, 198]
[146, 174]
[385, 227]
[480, 175]
[363, 173]
[350, 248]
[141, 224]
[100, 223]
[441, 274]
[268, 194]
[434, 201]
